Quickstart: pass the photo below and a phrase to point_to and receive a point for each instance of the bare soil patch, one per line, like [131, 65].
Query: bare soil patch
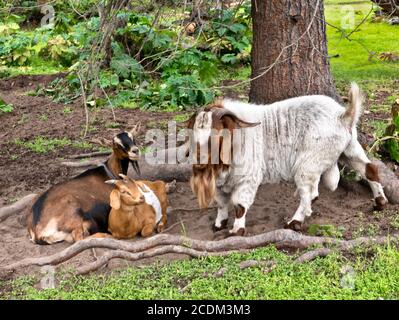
[349, 209]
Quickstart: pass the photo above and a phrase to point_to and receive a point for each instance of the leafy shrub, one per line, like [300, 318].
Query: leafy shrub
[230, 34]
[60, 49]
[16, 49]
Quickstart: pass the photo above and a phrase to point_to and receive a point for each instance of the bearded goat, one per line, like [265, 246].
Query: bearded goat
[297, 140]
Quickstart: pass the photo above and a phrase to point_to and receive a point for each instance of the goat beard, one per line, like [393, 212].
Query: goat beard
[203, 184]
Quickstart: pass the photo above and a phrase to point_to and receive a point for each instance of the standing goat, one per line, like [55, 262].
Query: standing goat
[296, 140]
[75, 209]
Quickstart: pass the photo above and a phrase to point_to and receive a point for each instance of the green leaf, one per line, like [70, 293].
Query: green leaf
[114, 80]
[395, 120]
[229, 58]
[392, 147]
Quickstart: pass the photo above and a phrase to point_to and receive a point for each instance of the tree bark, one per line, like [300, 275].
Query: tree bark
[289, 51]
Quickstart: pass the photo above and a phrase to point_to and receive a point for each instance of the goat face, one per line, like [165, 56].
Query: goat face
[125, 194]
[212, 135]
[125, 147]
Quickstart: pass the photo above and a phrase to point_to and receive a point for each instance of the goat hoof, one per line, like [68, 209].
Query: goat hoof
[239, 233]
[160, 227]
[380, 203]
[294, 225]
[223, 225]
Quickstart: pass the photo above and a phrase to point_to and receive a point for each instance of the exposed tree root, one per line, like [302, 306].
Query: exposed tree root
[311, 255]
[106, 257]
[18, 206]
[166, 243]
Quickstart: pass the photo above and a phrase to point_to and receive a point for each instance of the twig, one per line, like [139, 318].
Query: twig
[173, 225]
[20, 205]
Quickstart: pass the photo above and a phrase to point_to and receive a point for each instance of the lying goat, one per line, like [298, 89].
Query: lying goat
[137, 207]
[75, 209]
[297, 140]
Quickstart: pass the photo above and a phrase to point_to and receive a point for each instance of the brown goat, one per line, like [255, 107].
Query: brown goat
[134, 208]
[78, 208]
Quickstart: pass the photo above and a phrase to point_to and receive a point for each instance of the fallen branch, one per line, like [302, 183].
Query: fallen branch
[281, 237]
[311, 255]
[88, 163]
[18, 206]
[90, 154]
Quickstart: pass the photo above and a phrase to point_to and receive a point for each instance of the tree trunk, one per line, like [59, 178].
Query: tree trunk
[289, 53]
[290, 59]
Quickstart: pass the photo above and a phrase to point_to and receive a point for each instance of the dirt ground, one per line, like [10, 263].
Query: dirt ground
[349, 209]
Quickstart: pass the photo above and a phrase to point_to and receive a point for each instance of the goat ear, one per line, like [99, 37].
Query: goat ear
[225, 151]
[115, 201]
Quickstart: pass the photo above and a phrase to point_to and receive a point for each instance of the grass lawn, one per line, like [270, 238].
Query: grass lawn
[333, 277]
[354, 62]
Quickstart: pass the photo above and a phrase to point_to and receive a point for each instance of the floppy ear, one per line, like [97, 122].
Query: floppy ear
[225, 150]
[115, 201]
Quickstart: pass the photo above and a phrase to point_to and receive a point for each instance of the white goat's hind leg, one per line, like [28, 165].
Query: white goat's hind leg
[307, 186]
[357, 159]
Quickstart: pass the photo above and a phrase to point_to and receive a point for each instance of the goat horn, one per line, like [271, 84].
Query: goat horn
[113, 181]
[135, 130]
[124, 177]
[221, 112]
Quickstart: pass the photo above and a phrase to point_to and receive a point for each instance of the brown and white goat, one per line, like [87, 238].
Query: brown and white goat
[296, 140]
[75, 209]
[138, 207]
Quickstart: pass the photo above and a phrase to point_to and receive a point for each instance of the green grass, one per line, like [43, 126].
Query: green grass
[353, 62]
[37, 66]
[41, 144]
[333, 277]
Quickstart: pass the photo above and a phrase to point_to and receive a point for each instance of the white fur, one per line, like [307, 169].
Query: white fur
[151, 199]
[299, 140]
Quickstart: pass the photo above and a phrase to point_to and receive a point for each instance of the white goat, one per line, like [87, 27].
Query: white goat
[296, 140]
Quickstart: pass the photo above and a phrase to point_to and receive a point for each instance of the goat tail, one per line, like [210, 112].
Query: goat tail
[354, 109]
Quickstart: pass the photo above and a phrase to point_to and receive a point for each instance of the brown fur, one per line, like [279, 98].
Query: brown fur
[130, 215]
[75, 209]
[240, 210]
[203, 180]
[372, 172]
